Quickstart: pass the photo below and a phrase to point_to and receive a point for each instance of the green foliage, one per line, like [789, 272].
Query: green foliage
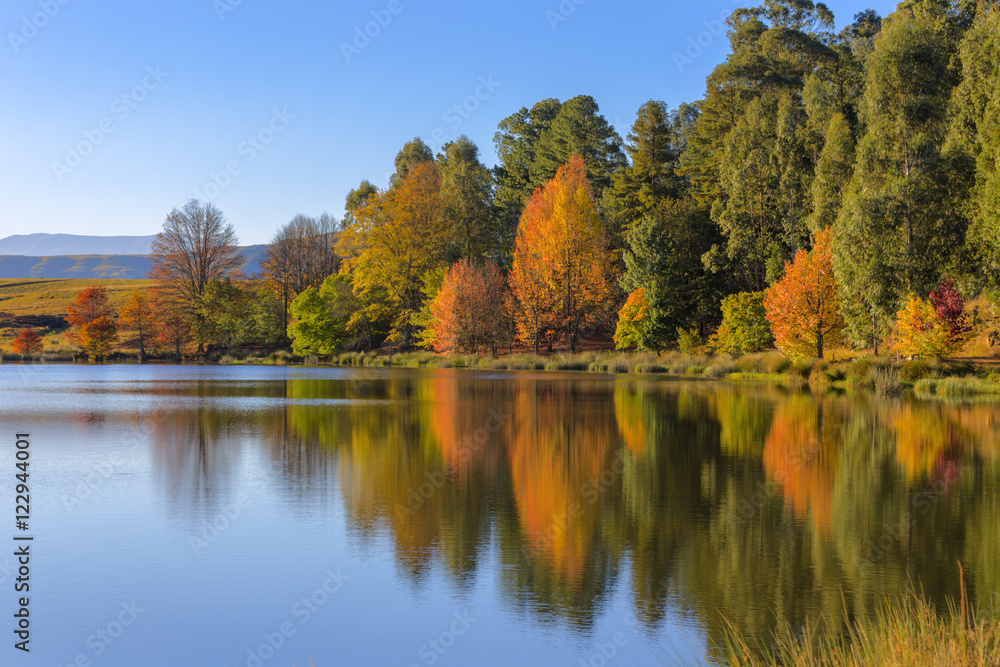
[579, 129]
[744, 325]
[227, 311]
[901, 221]
[321, 317]
[467, 191]
[268, 318]
[515, 143]
[688, 339]
[913, 370]
[654, 145]
[663, 257]
[975, 136]
[412, 154]
[833, 173]
[750, 214]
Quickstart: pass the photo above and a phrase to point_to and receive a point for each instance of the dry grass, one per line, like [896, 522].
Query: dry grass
[907, 633]
[22, 298]
[50, 297]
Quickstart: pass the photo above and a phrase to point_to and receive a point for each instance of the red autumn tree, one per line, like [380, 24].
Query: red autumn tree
[28, 342]
[91, 304]
[562, 266]
[470, 312]
[802, 307]
[949, 304]
[97, 337]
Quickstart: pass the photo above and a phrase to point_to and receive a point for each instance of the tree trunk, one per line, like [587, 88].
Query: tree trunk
[875, 334]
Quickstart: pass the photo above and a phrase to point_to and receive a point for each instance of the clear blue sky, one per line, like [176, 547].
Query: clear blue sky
[153, 97]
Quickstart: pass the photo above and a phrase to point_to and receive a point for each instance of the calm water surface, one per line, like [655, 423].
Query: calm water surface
[257, 516]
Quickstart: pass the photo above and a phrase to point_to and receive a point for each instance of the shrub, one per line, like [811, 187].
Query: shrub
[720, 369]
[744, 325]
[775, 362]
[913, 370]
[688, 339]
[634, 323]
[801, 367]
[835, 374]
[859, 372]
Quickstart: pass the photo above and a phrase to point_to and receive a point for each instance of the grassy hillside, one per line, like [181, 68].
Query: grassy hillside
[41, 304]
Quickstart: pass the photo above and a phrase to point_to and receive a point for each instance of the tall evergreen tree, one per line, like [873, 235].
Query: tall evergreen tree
[750, 215]
[654, 147]
[579, 129]
[515, 142]
[975, 139]
[899, 228]
[833, 173]
[663, 257]
[774, 48]
[467, 190]
[412, 153]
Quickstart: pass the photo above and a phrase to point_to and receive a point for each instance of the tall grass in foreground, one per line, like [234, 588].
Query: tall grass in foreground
[909, 632]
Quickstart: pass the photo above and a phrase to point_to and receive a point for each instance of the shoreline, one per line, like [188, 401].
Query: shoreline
[925, 378]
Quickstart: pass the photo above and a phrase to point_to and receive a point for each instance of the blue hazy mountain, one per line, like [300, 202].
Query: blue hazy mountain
[44, 245]
[103, 257]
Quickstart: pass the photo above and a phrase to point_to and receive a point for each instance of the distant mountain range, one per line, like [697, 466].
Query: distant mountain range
[99, 257]
[44, 245]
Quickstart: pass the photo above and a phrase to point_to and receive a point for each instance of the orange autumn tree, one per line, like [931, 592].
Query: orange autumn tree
[802, 307]
[470, 312]
[562, 273]
[28, 342]
[91, 304]
[97, 337]
[137, 316]
[528, 274]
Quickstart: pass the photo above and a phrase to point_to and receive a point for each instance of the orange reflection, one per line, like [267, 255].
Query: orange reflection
[801, 455]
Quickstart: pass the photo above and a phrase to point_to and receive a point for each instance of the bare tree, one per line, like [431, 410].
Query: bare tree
[195, 246]
[302, 255]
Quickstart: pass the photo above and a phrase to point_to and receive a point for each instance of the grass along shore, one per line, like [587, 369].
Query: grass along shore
[883, 375]
[907, 632]
[880, 374]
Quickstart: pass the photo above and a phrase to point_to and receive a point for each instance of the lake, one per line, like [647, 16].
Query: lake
[251, 516]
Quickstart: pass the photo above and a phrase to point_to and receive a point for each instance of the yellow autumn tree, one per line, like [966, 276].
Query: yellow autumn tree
[397, 237]
[633, 321]
[562, 272]
[919, 331]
